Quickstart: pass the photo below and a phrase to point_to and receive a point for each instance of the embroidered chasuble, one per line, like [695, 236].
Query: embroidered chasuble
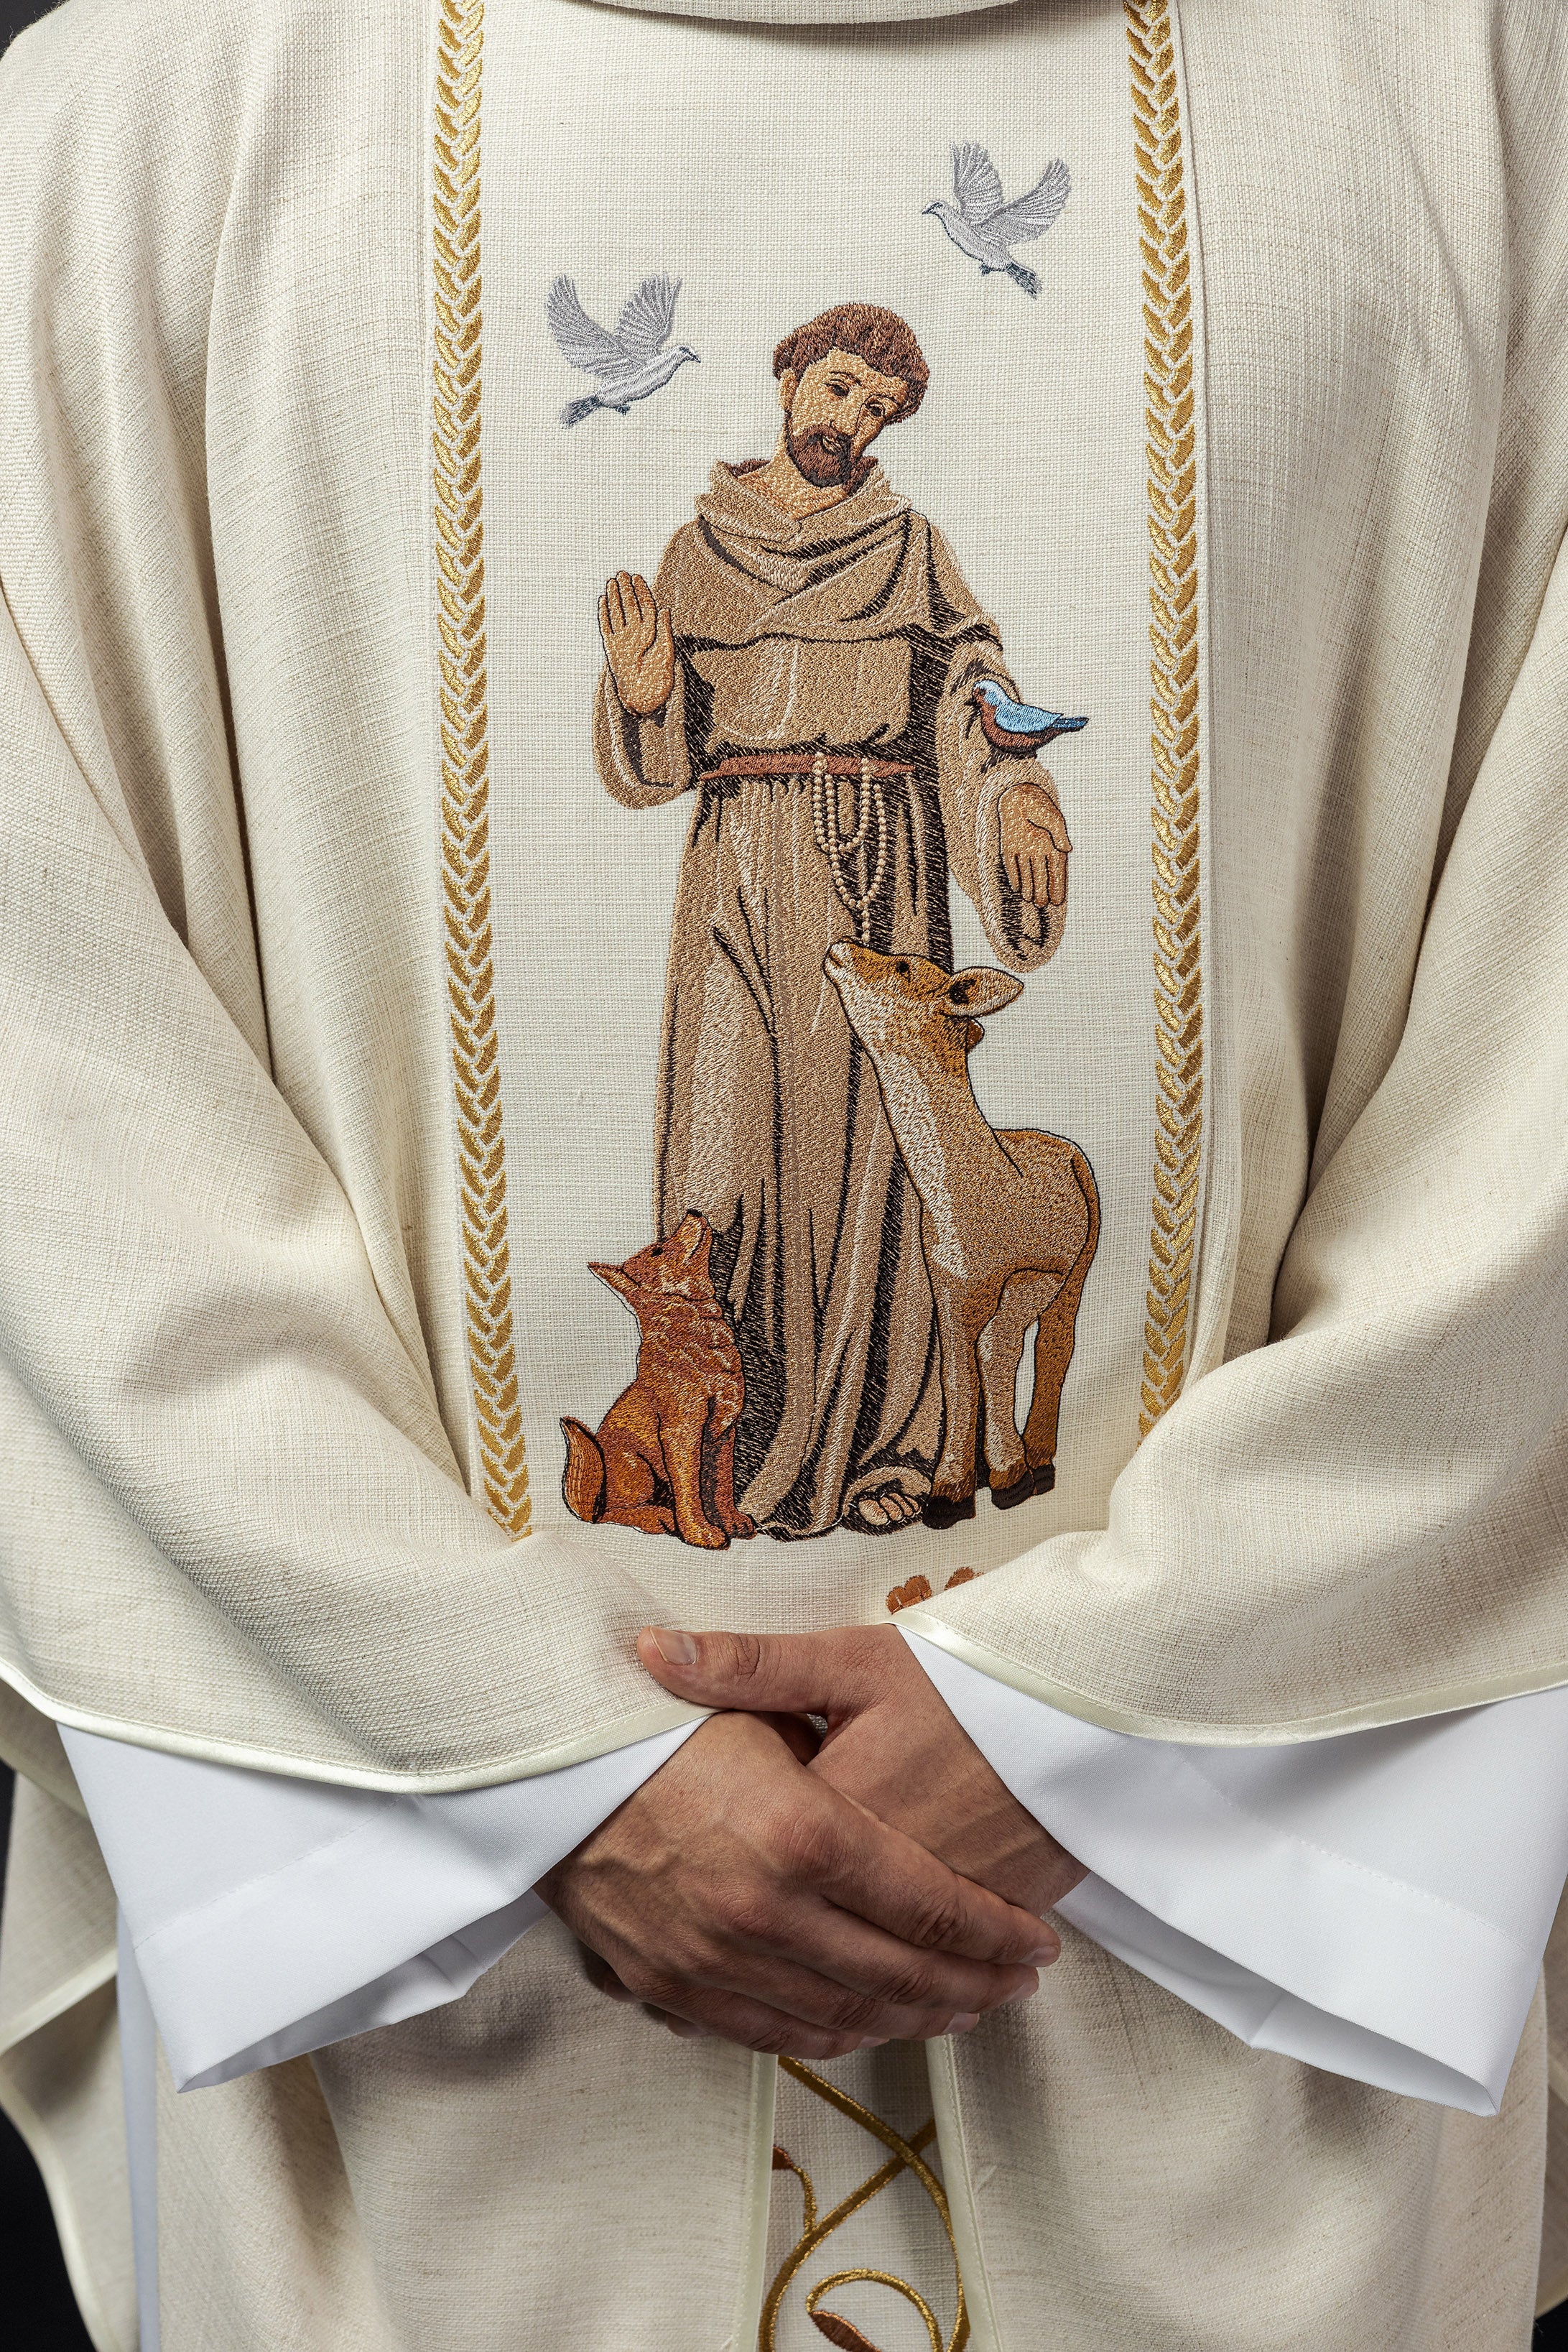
[555, 1080]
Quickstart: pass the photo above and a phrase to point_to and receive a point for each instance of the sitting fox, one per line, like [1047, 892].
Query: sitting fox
[663, 1458]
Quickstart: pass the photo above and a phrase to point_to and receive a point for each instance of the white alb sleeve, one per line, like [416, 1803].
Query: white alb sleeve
[1376, 1905]
[269, 1916]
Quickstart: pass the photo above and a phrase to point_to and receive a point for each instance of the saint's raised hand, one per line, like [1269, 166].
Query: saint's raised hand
[639, 644]
[1035, 846]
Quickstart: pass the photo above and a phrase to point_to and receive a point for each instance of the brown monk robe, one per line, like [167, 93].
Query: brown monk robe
[852, 633]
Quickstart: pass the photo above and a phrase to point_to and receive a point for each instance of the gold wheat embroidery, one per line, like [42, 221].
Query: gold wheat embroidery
[465, 763]
[1168, 382]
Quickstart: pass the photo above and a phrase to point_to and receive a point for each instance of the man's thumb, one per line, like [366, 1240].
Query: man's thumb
[764, 1673]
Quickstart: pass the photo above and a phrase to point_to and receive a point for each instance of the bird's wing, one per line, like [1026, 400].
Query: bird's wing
[1030, 216]
[585, 344]
[977, 183]
[645, 324]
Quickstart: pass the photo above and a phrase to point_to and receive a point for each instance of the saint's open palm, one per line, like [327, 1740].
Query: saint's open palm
[639, 644]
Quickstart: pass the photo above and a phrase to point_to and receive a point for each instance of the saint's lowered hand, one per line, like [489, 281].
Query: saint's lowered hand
[1034, 845]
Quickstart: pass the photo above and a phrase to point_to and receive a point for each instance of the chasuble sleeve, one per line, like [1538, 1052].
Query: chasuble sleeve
[235, 1521]
[1364, 1519]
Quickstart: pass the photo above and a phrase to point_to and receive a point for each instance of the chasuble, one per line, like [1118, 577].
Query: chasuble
[548, 1090]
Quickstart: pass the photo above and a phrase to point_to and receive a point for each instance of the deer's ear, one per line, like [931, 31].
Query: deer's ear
[616, 1276]
[979, 991]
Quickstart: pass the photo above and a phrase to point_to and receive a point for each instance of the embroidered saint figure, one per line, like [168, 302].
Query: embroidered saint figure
[805, 665]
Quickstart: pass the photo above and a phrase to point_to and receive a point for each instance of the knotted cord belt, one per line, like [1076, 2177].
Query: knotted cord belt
[837, 844]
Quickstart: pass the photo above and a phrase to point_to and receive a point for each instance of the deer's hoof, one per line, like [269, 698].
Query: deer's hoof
[1008, 1499]
[939, 1511]
[1044, 1478]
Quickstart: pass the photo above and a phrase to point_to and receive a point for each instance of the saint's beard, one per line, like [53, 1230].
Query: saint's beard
[825, 459]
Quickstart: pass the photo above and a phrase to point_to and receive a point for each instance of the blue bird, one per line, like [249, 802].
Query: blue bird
[1019, 726]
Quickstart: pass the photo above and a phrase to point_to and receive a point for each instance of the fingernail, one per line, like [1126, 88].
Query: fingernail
[965, 2022]
[1042, 1955]
[876, 2041]
[675, 1649]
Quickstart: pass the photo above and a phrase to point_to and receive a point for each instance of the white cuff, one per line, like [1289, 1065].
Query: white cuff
[270, 1917]
[1375, 1905]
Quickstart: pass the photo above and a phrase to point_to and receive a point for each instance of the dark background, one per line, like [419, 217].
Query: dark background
[37, 2299]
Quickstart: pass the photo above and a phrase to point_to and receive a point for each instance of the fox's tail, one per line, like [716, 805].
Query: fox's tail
[576, 410]
[1024, 277]
[583, 1480]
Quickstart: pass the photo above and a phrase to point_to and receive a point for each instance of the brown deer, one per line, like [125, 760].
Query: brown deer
[663, 1458]
[1010, 1221]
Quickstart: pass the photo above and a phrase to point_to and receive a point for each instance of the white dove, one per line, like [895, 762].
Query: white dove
[632, 362]
[985, 228]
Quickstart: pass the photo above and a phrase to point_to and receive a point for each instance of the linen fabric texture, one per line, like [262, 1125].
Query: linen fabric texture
[235, 1394]
[236, 1379]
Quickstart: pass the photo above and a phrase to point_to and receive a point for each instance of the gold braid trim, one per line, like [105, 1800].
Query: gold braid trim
[905, 2157]
[1173, 701]
[465, 763]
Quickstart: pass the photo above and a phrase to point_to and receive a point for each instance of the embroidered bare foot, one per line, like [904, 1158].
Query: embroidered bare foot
[883, 1510]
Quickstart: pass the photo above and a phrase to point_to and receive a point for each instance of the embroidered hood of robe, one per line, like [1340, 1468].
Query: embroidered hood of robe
[865, 569]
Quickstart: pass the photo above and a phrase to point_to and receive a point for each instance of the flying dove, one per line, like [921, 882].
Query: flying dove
[632, 362]
[985, 228]
[1019, 726]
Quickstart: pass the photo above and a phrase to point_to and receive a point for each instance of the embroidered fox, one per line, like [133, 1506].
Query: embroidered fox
[663, 1458]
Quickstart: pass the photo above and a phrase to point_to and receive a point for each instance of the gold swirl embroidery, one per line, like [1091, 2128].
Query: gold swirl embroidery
[906, 2157]
[465, 761]
[1168, 379]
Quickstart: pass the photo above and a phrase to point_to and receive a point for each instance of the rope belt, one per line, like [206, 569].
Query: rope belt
[837, 844]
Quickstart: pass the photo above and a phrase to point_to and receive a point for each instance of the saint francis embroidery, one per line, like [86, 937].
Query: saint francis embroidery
[808, 664]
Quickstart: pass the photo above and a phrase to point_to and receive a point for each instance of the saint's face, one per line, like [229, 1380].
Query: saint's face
[833, 411]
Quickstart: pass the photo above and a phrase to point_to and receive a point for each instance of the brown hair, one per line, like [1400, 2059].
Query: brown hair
[864, 333]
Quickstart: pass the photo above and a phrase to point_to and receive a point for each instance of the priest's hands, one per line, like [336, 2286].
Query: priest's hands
[892, 1745]
[639, 644]
[1034, 845]
[740, 1893]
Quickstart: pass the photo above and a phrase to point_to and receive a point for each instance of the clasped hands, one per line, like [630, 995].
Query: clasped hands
[808, 1898]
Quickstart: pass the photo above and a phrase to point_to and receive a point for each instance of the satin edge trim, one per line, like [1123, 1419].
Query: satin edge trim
[1371, 1715]
[786, 16]
[626, 1731]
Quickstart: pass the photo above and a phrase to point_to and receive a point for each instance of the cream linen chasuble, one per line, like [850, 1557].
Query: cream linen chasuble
[500, 1155]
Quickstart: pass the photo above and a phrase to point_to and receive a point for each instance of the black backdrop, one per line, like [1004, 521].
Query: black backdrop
[36, 2298]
